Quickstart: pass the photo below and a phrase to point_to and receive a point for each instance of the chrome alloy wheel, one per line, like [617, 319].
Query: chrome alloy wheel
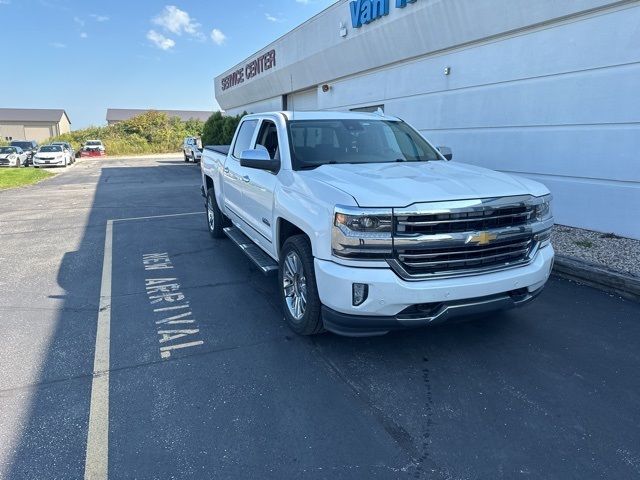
[210, 215]
[294, 283]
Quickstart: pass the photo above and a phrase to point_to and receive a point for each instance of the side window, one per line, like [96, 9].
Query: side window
[268, 138]
[243, 141]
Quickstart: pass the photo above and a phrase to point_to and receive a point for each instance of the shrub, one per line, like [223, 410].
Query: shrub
[150, 132]
[219, 130]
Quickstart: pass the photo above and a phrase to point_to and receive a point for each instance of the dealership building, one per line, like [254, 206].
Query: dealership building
[546, 89]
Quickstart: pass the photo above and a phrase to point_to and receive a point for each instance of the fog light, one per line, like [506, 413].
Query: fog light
[360, 293]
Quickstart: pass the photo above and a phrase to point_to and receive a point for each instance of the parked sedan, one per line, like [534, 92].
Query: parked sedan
[13, 157]
[67, 146]
[52, 156]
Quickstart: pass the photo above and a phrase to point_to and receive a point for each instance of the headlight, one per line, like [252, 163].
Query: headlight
[363, 234]
[543, 211]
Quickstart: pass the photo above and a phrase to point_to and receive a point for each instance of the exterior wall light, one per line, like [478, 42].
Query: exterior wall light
[343, 30]
[326, 88]
[447, 70]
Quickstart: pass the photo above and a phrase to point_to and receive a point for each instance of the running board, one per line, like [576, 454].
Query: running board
[264, 262]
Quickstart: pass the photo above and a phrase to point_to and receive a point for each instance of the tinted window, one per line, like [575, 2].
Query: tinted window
[6, 150]
[23, 145]
[318, 142]
[268, 138]
[243, 141]
[51, 148]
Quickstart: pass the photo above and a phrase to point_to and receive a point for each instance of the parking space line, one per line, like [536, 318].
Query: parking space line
[97, 457]
[157, 216]
[97, 454]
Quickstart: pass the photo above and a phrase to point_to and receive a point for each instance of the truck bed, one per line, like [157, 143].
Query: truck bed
[221, 149]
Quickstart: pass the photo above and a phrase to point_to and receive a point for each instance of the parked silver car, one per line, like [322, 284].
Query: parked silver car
[192, 149]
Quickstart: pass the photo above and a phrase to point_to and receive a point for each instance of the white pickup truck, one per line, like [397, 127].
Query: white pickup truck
[370, 227]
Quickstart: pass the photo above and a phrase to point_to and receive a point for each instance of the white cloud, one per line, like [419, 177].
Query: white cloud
[58, 45]
[5, 2]
[79, 21]
[218, 37]
[160, 41]
[99, 18]
[83, 35]
[273, 18]
[177, 21]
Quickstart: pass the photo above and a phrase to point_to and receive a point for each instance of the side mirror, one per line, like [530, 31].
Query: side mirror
[446, 152]
[259, 159]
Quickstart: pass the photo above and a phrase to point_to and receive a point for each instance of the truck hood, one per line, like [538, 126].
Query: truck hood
[403, 184]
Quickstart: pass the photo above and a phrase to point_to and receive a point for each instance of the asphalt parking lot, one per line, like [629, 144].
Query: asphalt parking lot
[199, 377]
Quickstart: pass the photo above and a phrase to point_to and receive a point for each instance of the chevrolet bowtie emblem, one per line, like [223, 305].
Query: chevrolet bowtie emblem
[483, 238]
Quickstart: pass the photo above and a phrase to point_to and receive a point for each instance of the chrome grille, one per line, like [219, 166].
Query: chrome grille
[464, 258]
[463, 238]
[509, 216]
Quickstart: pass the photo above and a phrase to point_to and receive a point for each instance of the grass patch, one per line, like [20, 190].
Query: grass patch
[19, 177]
[584, 243]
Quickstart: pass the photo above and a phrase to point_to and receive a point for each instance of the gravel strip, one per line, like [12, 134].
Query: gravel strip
[617, 253]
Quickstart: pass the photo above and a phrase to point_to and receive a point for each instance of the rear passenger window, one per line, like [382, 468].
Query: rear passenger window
[243, 141]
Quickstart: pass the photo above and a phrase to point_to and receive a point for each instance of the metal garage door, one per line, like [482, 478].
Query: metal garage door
[303, 101]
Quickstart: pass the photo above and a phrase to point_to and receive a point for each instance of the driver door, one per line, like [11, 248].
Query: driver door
[233, 177]
[259, 186]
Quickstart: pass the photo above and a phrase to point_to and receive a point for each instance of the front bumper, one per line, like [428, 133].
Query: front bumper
[426, 315]
[92, 153]
[390, 296]
[48, 163]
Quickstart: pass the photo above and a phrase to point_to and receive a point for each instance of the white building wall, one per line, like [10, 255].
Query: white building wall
[545, 89]
[559, 104]
[267, 105]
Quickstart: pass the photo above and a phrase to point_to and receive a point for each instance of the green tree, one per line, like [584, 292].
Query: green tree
[219, 130]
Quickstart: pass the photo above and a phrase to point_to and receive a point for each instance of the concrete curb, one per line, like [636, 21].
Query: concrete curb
[141, 156]
[597, 276]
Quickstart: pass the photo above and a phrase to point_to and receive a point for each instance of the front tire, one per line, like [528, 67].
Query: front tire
[298, 288]
[216, 221]
[186, 158]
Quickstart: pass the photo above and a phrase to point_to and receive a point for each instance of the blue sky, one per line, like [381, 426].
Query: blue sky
[87, 55]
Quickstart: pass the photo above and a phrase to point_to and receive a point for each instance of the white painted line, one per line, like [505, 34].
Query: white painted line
[97, 458]
[158, 216]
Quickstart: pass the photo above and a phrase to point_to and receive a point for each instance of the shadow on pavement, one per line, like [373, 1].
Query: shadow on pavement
[549, 391]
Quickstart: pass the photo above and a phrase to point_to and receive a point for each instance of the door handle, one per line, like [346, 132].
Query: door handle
[246, 179]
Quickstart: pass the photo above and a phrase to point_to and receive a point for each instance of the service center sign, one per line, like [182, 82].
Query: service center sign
[252, 69]
[364, 12]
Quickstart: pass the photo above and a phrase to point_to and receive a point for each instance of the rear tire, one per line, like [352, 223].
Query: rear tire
[298, 289]
[216, 221]
[186, 158]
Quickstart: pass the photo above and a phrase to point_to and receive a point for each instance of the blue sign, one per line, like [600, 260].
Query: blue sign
[364, 12]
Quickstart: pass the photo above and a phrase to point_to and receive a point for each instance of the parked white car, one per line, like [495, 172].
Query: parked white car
[370, 227]
[52, 156]
[13, 157]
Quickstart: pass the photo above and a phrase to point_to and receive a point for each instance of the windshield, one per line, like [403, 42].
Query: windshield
[7, 150]
[93, 143]
[23, 145]
[51, 148]
[320, 142]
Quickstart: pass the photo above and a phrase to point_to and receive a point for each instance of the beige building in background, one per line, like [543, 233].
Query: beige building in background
[32, 123]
